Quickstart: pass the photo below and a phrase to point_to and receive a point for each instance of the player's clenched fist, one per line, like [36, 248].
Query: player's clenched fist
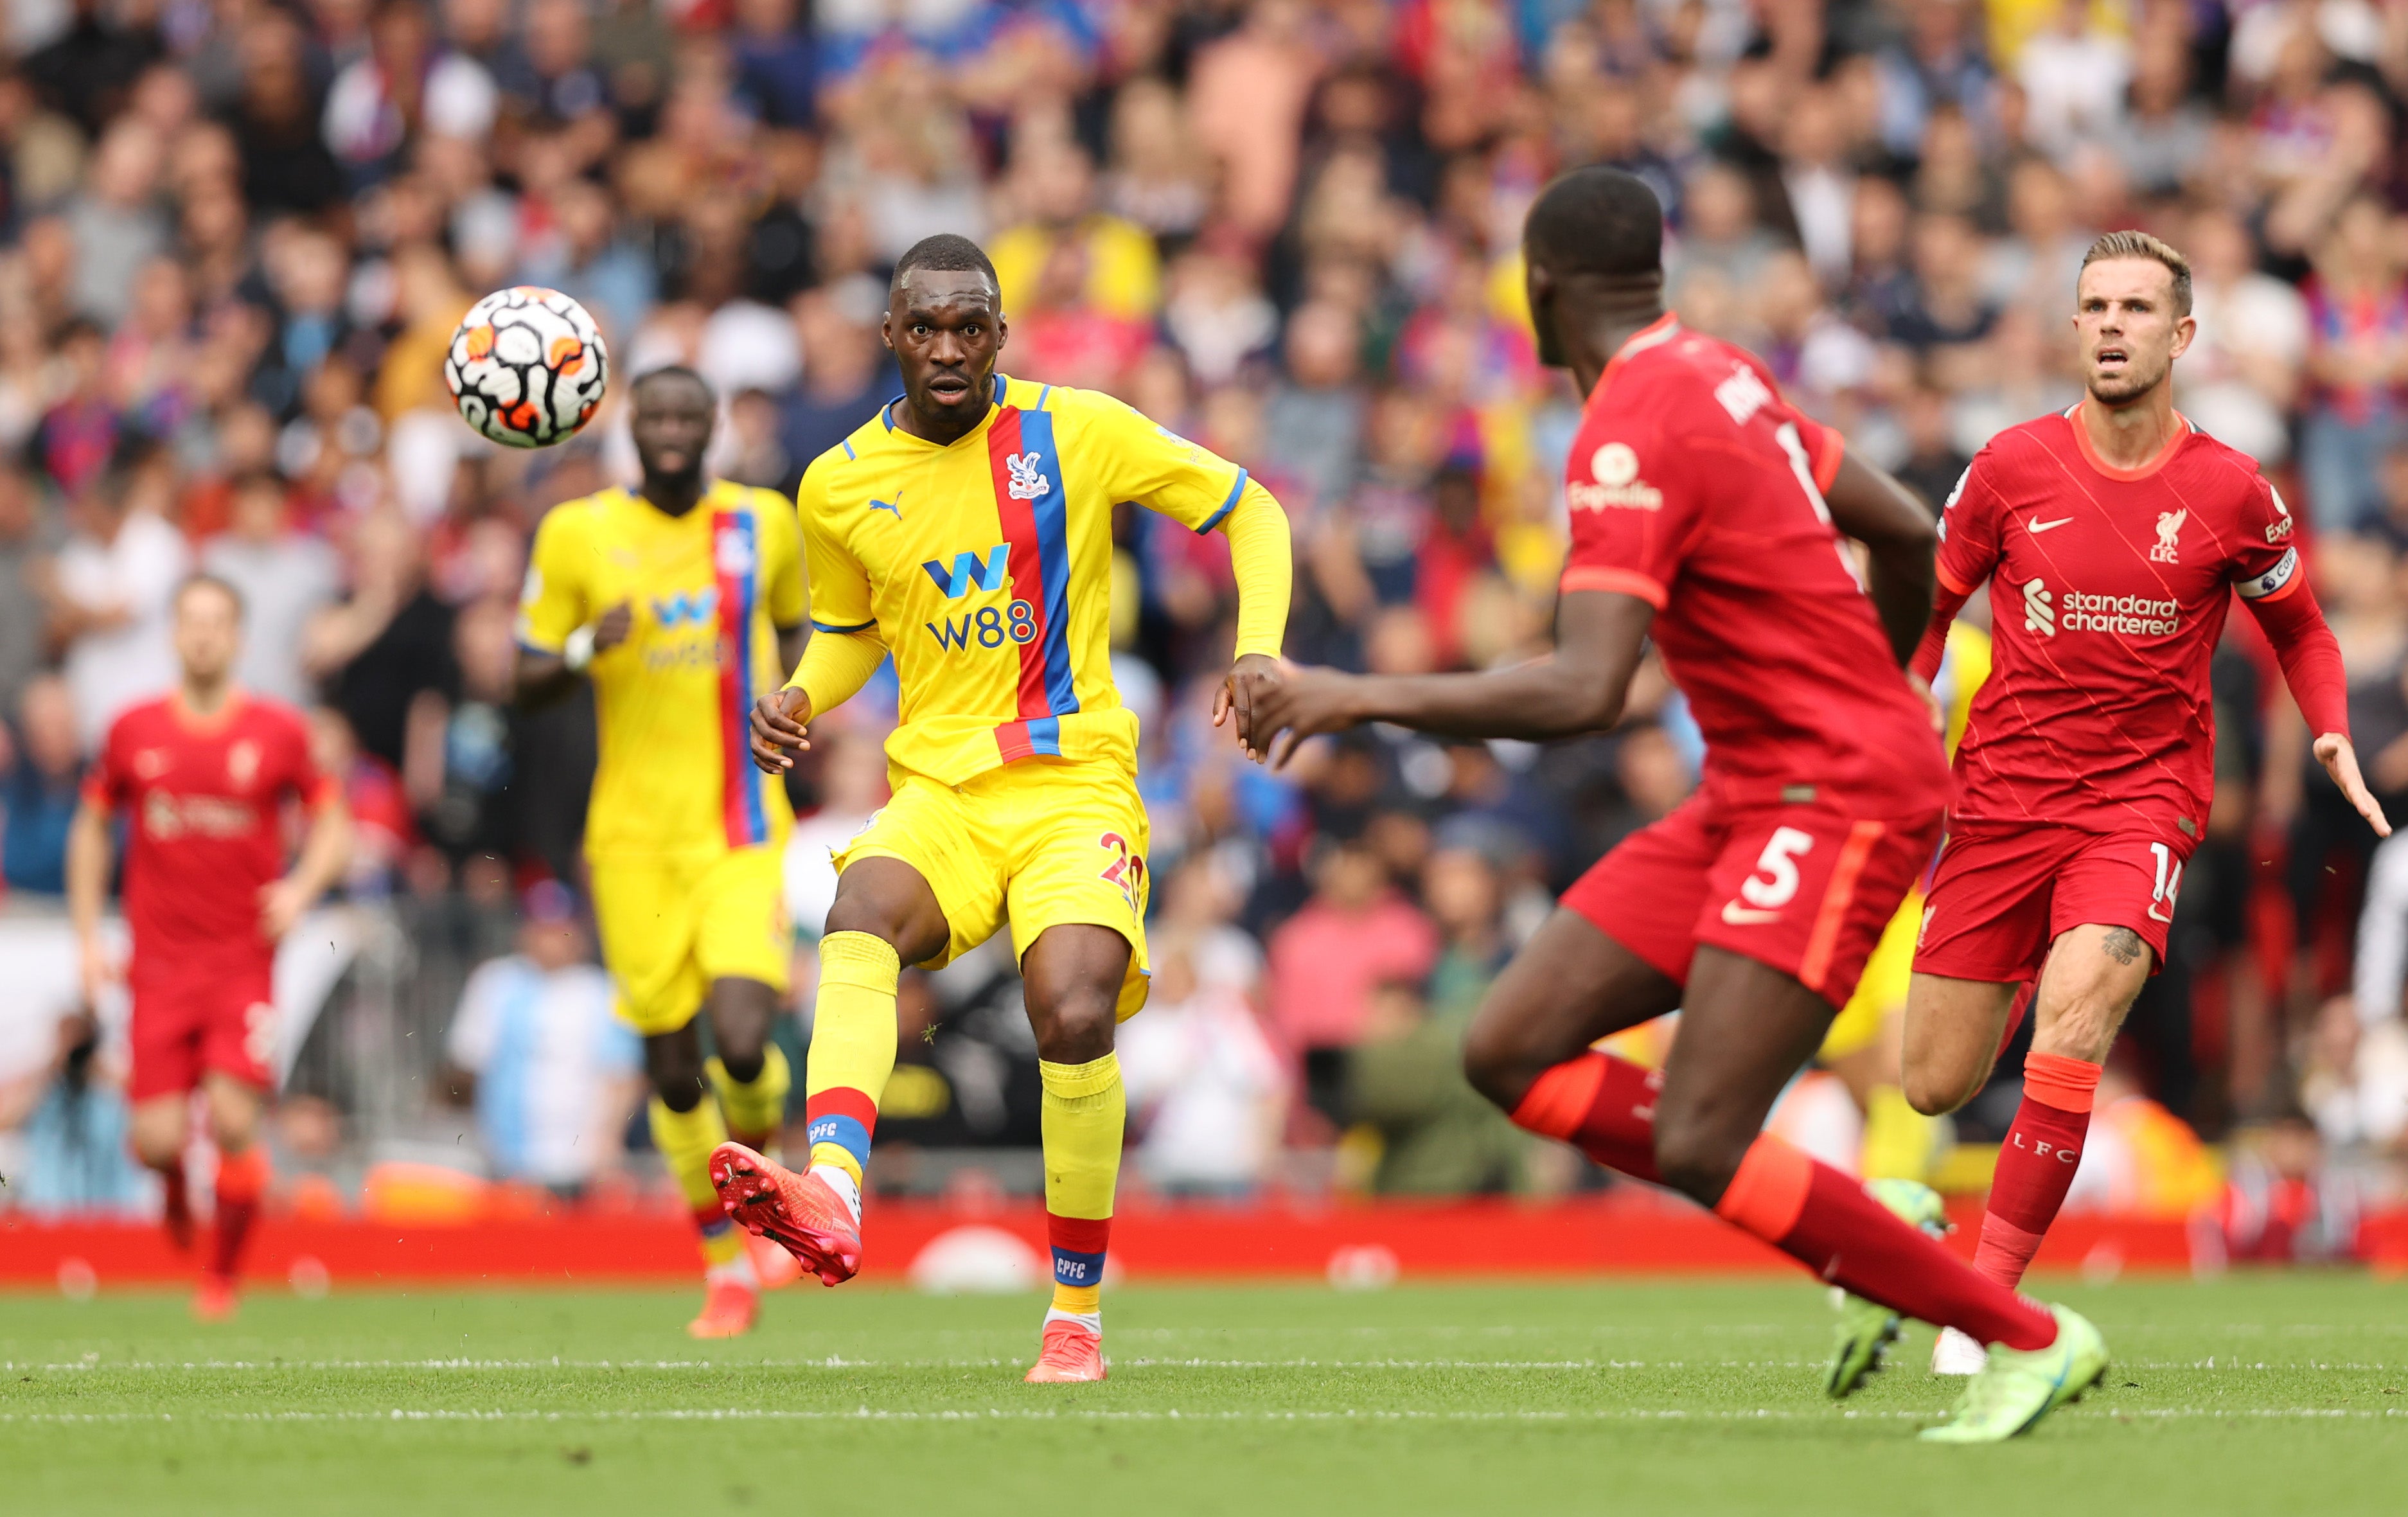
[1249, 677]
[1303, 702]
[778, 721]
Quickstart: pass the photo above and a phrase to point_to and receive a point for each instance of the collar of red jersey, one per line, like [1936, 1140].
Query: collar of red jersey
[1654, 333]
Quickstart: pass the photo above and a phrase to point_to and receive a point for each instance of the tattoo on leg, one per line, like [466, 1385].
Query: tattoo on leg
[2124, 945]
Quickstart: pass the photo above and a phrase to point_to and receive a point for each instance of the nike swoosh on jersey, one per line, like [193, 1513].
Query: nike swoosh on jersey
[1744, 916]
[2038, 526]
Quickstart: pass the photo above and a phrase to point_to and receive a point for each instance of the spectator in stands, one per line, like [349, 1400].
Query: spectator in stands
[2357, 357]
[42, 776]
[28, 539]
[384, 655]
[286, 578]
[116, 581]
[1354, 933]
[554, 1077]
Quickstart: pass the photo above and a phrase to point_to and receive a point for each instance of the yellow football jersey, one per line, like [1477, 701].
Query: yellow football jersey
[709, 590]
[985, 566]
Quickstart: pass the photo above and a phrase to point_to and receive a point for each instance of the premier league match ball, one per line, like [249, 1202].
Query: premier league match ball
[527, 366]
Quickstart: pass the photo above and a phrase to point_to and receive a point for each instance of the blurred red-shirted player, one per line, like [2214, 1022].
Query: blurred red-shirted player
[1709, 515]
[202, 777]
[2113, 537]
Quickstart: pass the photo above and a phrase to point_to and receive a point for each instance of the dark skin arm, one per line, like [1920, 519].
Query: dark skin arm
[1580, 687]
[1241, 695]
[543, 678]
[1901, 540]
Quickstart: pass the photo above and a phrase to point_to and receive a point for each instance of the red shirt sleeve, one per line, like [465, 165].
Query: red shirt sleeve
[1969, 530]
[105, 784]
[1635, 513]
[301, 773]
[2266, 561]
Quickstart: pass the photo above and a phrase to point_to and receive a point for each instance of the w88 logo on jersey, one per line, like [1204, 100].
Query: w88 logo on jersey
[989, 627]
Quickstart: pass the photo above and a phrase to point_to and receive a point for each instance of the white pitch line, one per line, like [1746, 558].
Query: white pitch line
[1333, 1415]
[840, 1362]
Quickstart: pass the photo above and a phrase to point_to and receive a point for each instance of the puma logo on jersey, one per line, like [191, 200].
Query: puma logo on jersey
[1026, 471]
[2039, 608]
[892, 507]
[971, 571]
[2170, 525]
[2040, 526]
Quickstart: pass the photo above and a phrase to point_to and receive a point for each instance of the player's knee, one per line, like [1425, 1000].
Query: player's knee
[156, 1146]
[1075, 1023]
[1493, 1062]
[1931, 1092]
[673, 1063]
[1696, 1159]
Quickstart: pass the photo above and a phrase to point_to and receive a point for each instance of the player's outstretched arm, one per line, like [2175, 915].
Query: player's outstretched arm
[1578, 688]
[1901, 540]
[325, 855]
[2295, 624]
[1262, 562]
[543, 678]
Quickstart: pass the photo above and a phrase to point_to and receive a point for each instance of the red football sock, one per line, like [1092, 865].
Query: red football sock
[2036, 1162]
[1600, 1105]
[1826, 1221]
[241, 1179]
[1606, 1107]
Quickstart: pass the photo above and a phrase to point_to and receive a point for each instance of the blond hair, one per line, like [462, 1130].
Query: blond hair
[2142, 245]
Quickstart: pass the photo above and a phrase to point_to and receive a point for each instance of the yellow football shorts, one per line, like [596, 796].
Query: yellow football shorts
[1880, 990]
[670, 926]
[1043, 843]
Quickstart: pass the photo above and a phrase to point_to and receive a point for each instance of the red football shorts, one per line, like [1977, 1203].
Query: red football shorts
[204, 1016]
[1806, 890]
[2001, 893]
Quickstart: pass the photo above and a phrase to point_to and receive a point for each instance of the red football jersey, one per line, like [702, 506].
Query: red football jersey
[2110, 588]
[1694, 487]
[203, 800]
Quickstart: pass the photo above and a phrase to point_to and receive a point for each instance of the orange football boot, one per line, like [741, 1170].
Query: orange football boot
[214, 1298]
[1071, 1356]
[797, 1211]
[729, 1309]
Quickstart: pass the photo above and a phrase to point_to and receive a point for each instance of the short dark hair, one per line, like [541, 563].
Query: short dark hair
[946, 252]
[2131, 244]
[1597, 221]
[673, 371]
[203, 579]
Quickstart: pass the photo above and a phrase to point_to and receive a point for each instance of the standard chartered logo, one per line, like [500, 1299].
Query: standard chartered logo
[2129, 615]
[2040, 609]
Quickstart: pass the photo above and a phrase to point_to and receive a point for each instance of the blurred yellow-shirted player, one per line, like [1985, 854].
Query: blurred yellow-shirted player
[1862, 1045]
[965, 530]
[672, 599]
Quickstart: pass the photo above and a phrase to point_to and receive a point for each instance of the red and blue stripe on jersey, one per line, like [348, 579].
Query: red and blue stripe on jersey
[1029, 498]
[736, 559]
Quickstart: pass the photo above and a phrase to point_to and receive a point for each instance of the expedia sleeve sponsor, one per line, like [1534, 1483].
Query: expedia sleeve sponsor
[1615, 466]
[2259, 586]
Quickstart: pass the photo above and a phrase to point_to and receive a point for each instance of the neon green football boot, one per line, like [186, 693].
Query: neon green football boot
[2020, 1386]
[1866, 1328]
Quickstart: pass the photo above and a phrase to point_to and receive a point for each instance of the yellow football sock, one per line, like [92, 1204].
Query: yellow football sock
[685, 1139]
[1898, 1139]
[1082, 1115]
[853, 1048]
[756, 1110]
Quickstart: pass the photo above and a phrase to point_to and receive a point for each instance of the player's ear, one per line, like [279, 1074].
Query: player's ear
[2185, 330]
[1002, 331]
[886, 329]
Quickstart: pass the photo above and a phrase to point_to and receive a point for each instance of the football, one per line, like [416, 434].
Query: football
[527, 366]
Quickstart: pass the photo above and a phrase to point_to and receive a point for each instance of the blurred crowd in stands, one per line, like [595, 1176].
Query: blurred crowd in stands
[235, 234]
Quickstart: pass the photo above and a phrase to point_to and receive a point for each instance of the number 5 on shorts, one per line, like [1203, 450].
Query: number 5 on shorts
[1776, 880]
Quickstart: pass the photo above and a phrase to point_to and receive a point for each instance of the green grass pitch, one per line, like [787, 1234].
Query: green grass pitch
[2255, 1394]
